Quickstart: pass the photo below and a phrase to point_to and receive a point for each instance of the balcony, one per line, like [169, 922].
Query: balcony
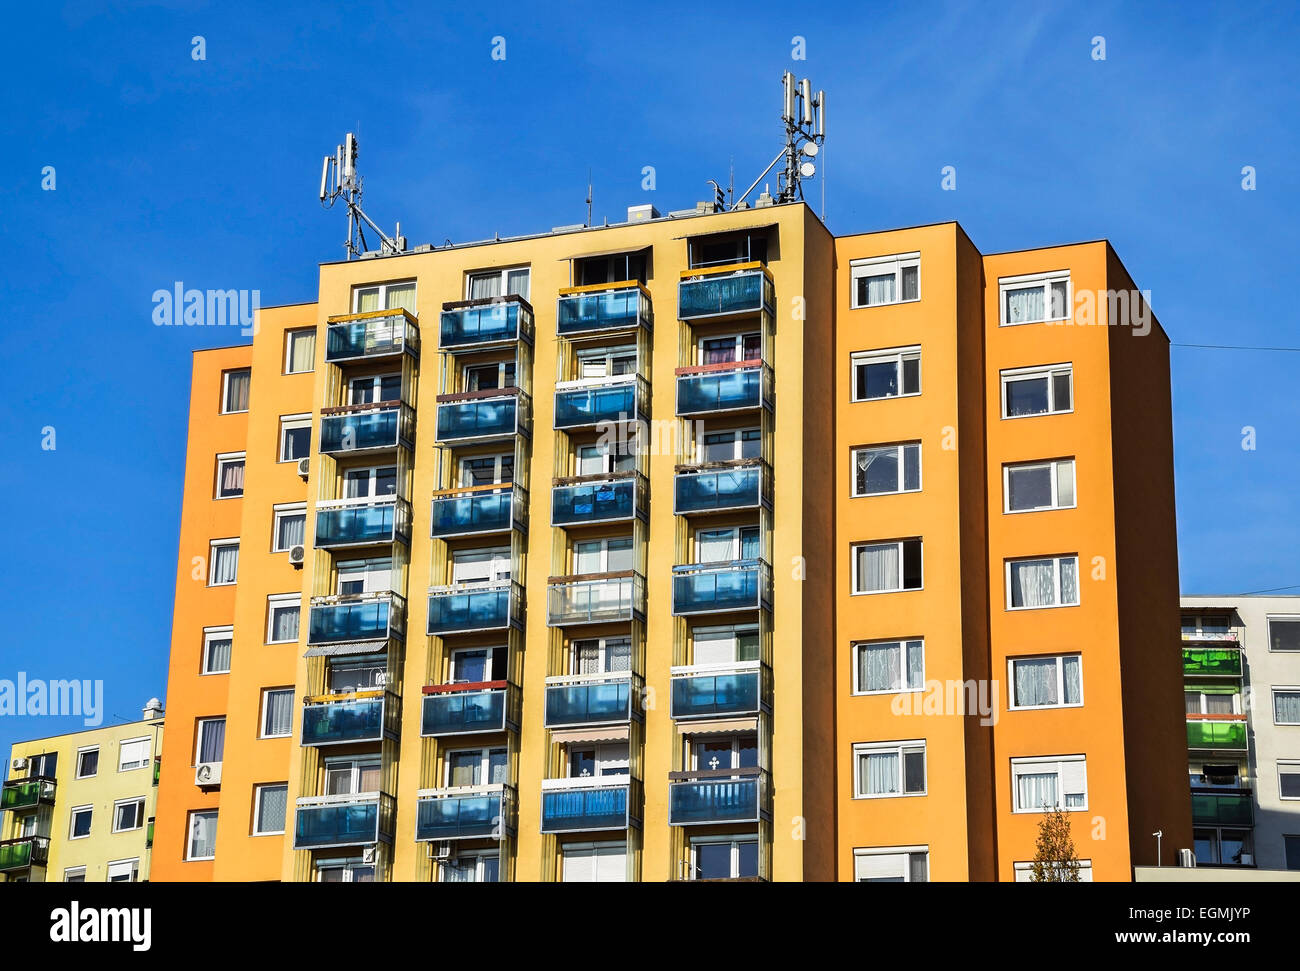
[717, 389]
[741, 288]
[1225, 734]
[577, 700]
[717, 796]
[1211, 662]
[371, 336]
[463, 610]
[24, 853]
[352, 819]
[744, 484]
[474, 416]
[587, 500]
[588, 803]
[1223, 808]
[592, 402]
[464, 812]
[19, 795]
[354, 716]
[591, 310]
[356, 617]
[476, 510]
[353, 429]
[595, 599]
[341, 523]
[472, 325]
[1225, 636]
[465, 708]
[712, 690]
[707, 588]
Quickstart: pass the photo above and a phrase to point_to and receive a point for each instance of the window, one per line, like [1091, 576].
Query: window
[599, 655]
[893, 373]
[1038, 391]
[593, 863]
[497, 283]
[299, 350]
[1025, 872]
[124, 871]
[606, 362]
[74, 874]
[357, 674]
[1286, 706]
[725, 544]
[230, 475]
[481, 566]
[128, 814]
[1209, 627]
[887, 769]
[282, 613]
[1031, 486]
[903, 864]
[1226, 847]
[1292, 844]
[473, 665]
[80, 828]
[352, 776]
[223, 562]
[469, 866]
[733, 444]
[289, 526]
[731, 644]
[477, 767]
[1041, 784]
[607, 457]
[384, 296]
[1046, 682]
[202, 841]
[886, 279]
[879, 470]
[724, 857]
[611, 555]
[597, 760]
[1284, 633]
[1035, 299]
[277, 713]
[887, 667]
[43, 766]
[731, 349]
[370, 483]
[374, 575]
[295, 437]
[87, 762]
[1046, 582]
[216, 650]
[615, 268]
[210, 740]
[487, 470]
[1288, 780]
[710, 753]
[345, 871]
[270, 803]
[1211, 701]
[887, 567]
[234, 390]
[375, 388]
[132, 754]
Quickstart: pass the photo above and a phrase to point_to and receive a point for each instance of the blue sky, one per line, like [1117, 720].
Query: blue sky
[206, 172]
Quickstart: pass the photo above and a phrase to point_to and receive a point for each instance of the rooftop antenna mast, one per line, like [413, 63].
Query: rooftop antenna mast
[339, 179]
[803, 114]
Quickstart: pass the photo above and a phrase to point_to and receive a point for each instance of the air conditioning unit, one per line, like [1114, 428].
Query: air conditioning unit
[207, 774]
[18, 764]
[297, 554]
[1186, 858]
[304, 466]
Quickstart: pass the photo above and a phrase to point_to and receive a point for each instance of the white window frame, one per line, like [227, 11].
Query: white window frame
[133, 863]
[900, 452]
[224, 459]
[276, 601]
[1294, 766]
[292, 423]
[500, 566]
[132, 801]
[257, 807]
[212, 560]
[738, 440]
[225, 389]
[610, 457]
[1053, 465]
[738, 350]
[280, 511]
[735, 839]
[738, 534]
[289, 337]
[886, 748]
[1060, 680]
[265, 710]
[1038, 765]
[356, 765]
[853, 563]
[894, 355]
[211, 634]
[882, 266]
[903, 851]
[76, 768]
[189, 835]
[479, 859]
[1277, 689]
[374, 576]
[454, 661]
[498, 459]
[148, 750]
[1285, 618]
[606, 355]
[382, 290]
[198, 737]
[375, 383]
[1026, 282]
[74, 871]
[484, 770]
[604, 542]
[504, 273]
[1047, 372]
[372, 480]
[73, 813]
[1202, 695]
[1056, 559]
[1027, 867]
[602, 653]
[901, 643]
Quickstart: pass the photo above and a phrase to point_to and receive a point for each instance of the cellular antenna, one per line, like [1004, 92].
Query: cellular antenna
[339, 180]
[803, 114]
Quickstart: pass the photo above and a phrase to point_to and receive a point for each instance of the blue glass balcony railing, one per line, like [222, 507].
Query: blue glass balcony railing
[591, 699]
[479, 509]
[605, 500]
[707, 691]
[356, 617]
[710, 390]
[361, 428]
[587, 312]
[358, 716]
[464, 709]
[717, 796]
[725, 291]
[369, 336]
[464, 812]
[611, 598]
[485, 415]
[357, 819]
[727, 489]
[475, 324]
[588, 402]
[702, 588]
[362, 522]
[463, 610]
[587, 804]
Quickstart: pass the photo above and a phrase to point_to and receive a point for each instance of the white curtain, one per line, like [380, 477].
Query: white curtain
[1036, 682]
[517, 282]
[878, 567]
[874, 290]
[588, 657]
[915, 664]
[1036, 790]
[403, 296]
[1073, 678]
[1069, 580]
[880, 667]
[232, 478]
[302, 356]
[880, 772]
[271, 808]
[279, 712]
[225, 563]
[291, 530]
[219, 654]
[618, 654]
[1286, 707]
[716, 546]
[484, 286]
[203, 835]
[212, 741]
[237, 390]
[286, 623]
[367, 300]
[1033, 583]
[1025, 305]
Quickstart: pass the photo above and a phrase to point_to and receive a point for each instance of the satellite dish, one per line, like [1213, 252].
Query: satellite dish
[807, 170]
[810, 149]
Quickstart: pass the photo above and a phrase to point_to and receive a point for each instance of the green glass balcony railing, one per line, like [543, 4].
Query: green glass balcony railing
[601, 501]
[588, 312]
[707, 390]
[463, 610]
[587, 804]
[1220, 735]
[1222, 809]
[464, 709]
[378, 334]
[722, 293]
[362, 522]
[716, 796]
[360, 819]
[591, 699]
[590, 402]
[702, 588]
[24, 852]
[366, 428]
[613, 598]
[466, 812]
[479, 509]
[21, 794]
[356, 617]
[1210, 661]
[358, 716]
[499, 413]
[708, 691]
[474, 324]
[722, 490]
